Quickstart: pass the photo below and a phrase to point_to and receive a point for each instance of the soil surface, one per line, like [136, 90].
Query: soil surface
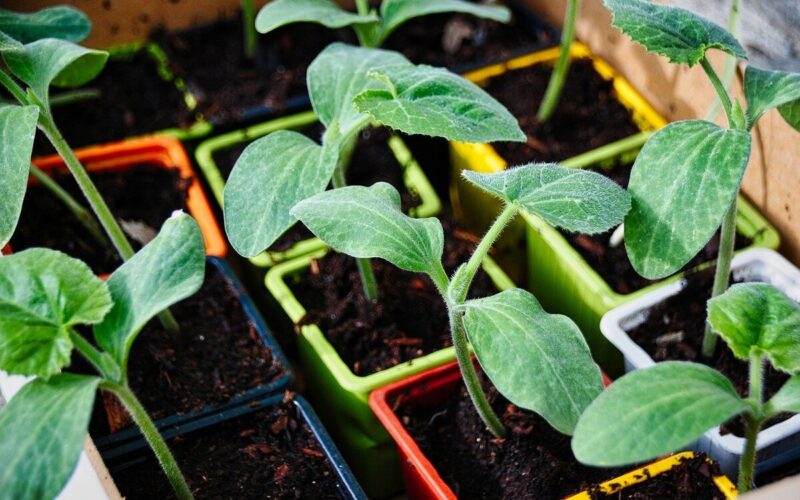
[134, 100]
[409, 320]
[587, 116]
[145, 194]
[612, 262]
[268, 454]
[674, 330]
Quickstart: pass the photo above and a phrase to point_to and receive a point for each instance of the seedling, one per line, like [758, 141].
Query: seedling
[661, 409]
[556, 83]
[685, 181]
[371, 30]
[44, 296]
[350, 87]
[539, 361]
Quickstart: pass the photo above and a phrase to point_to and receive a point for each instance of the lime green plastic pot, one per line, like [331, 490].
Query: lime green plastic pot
[415, 180]
[342, 397]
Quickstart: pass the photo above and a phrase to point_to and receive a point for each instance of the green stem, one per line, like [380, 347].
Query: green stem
[556, 83]
[723, 271]
[730, 61]
[153, 437]
[8, 82]
[756, 391]
[74, 96]
[249, 21]
[753, 423]
[83, 215]
[724, 98]
[362, 7]
[104, 365]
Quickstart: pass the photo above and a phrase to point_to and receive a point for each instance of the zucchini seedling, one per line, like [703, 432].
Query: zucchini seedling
[685, 181]
[538, 361]
[45, 296]
[350, 87]
[661, 409]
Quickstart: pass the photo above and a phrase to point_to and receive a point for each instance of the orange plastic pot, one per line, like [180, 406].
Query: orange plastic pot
[160, 151]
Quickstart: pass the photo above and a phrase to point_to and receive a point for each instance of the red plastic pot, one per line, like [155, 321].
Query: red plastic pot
[425, 389]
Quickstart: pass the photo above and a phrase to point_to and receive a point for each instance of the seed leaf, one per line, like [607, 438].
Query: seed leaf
[65, 23]
[539, 361]
[42, 294]
[325, 12]
[42, 430]
[682, 183]
[573, 199]
[54, 62]
[433, 101]
[18, 124]
[787, 398]
[654, 411]
[765, 89]
[264, 185]
[367, 222]
[676, 33]
[168, 269]
[758, 316]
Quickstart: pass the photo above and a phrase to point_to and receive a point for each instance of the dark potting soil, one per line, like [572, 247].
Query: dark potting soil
[587, 116]
[692, 479]
[410, 320]
[146, 194]
[268, 454]
[685, 314]
[612, 263]
[134, 100]
[211, 61]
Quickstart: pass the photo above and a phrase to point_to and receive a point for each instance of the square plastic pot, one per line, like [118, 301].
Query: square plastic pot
[349, 488]
[413, 177]
[105, 443]
[341, 395]
[777, 444]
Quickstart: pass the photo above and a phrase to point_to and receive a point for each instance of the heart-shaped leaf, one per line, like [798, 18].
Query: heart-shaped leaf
[272, 175]
[683, 181]
[63, 22]
[573, 199]
[538, 361]
[765, 89]
[168, 269]
[367, 222]
[676, 33]
[18, 124]
[43, 293]
[326, 12]
[758, 316]
[42, 431]
[654, 411]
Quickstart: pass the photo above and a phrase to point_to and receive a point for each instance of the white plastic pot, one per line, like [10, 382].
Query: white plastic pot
[777, 444]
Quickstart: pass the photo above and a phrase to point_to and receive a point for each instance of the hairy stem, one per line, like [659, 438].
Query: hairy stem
[362, 7]
[724, 98]
[249, 21]
[74, 96]
[153, 437]
[101, 362]
[753, 423]
[556, 83]
[8, 82]
[730, 61]
[723, 271]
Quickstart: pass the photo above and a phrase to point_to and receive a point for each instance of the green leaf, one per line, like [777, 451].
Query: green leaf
[338, 74]
[272, 175]
[167, 270]
[43, 293]
[676, 33]
[433, 101]
[8, 43]
[65, 23]
[54, 62]
[573, 199]
[18, 124]
[765, 89]
[758, 316]
[654, 411]
[326, 12]
[682, 183]
[396, 12]
[539, 361]
[367, 222]
[42, 430]
[787, 398]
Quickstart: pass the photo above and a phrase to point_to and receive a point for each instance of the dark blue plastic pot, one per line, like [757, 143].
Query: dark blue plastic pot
[132, 433]
[131, 453]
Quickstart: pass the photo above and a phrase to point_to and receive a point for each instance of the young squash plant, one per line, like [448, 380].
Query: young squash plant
[350, 87]
[538, 361]
[686, 180]
[661, 409]
[44, 297]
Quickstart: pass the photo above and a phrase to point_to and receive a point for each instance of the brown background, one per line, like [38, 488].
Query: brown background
[772, 181]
